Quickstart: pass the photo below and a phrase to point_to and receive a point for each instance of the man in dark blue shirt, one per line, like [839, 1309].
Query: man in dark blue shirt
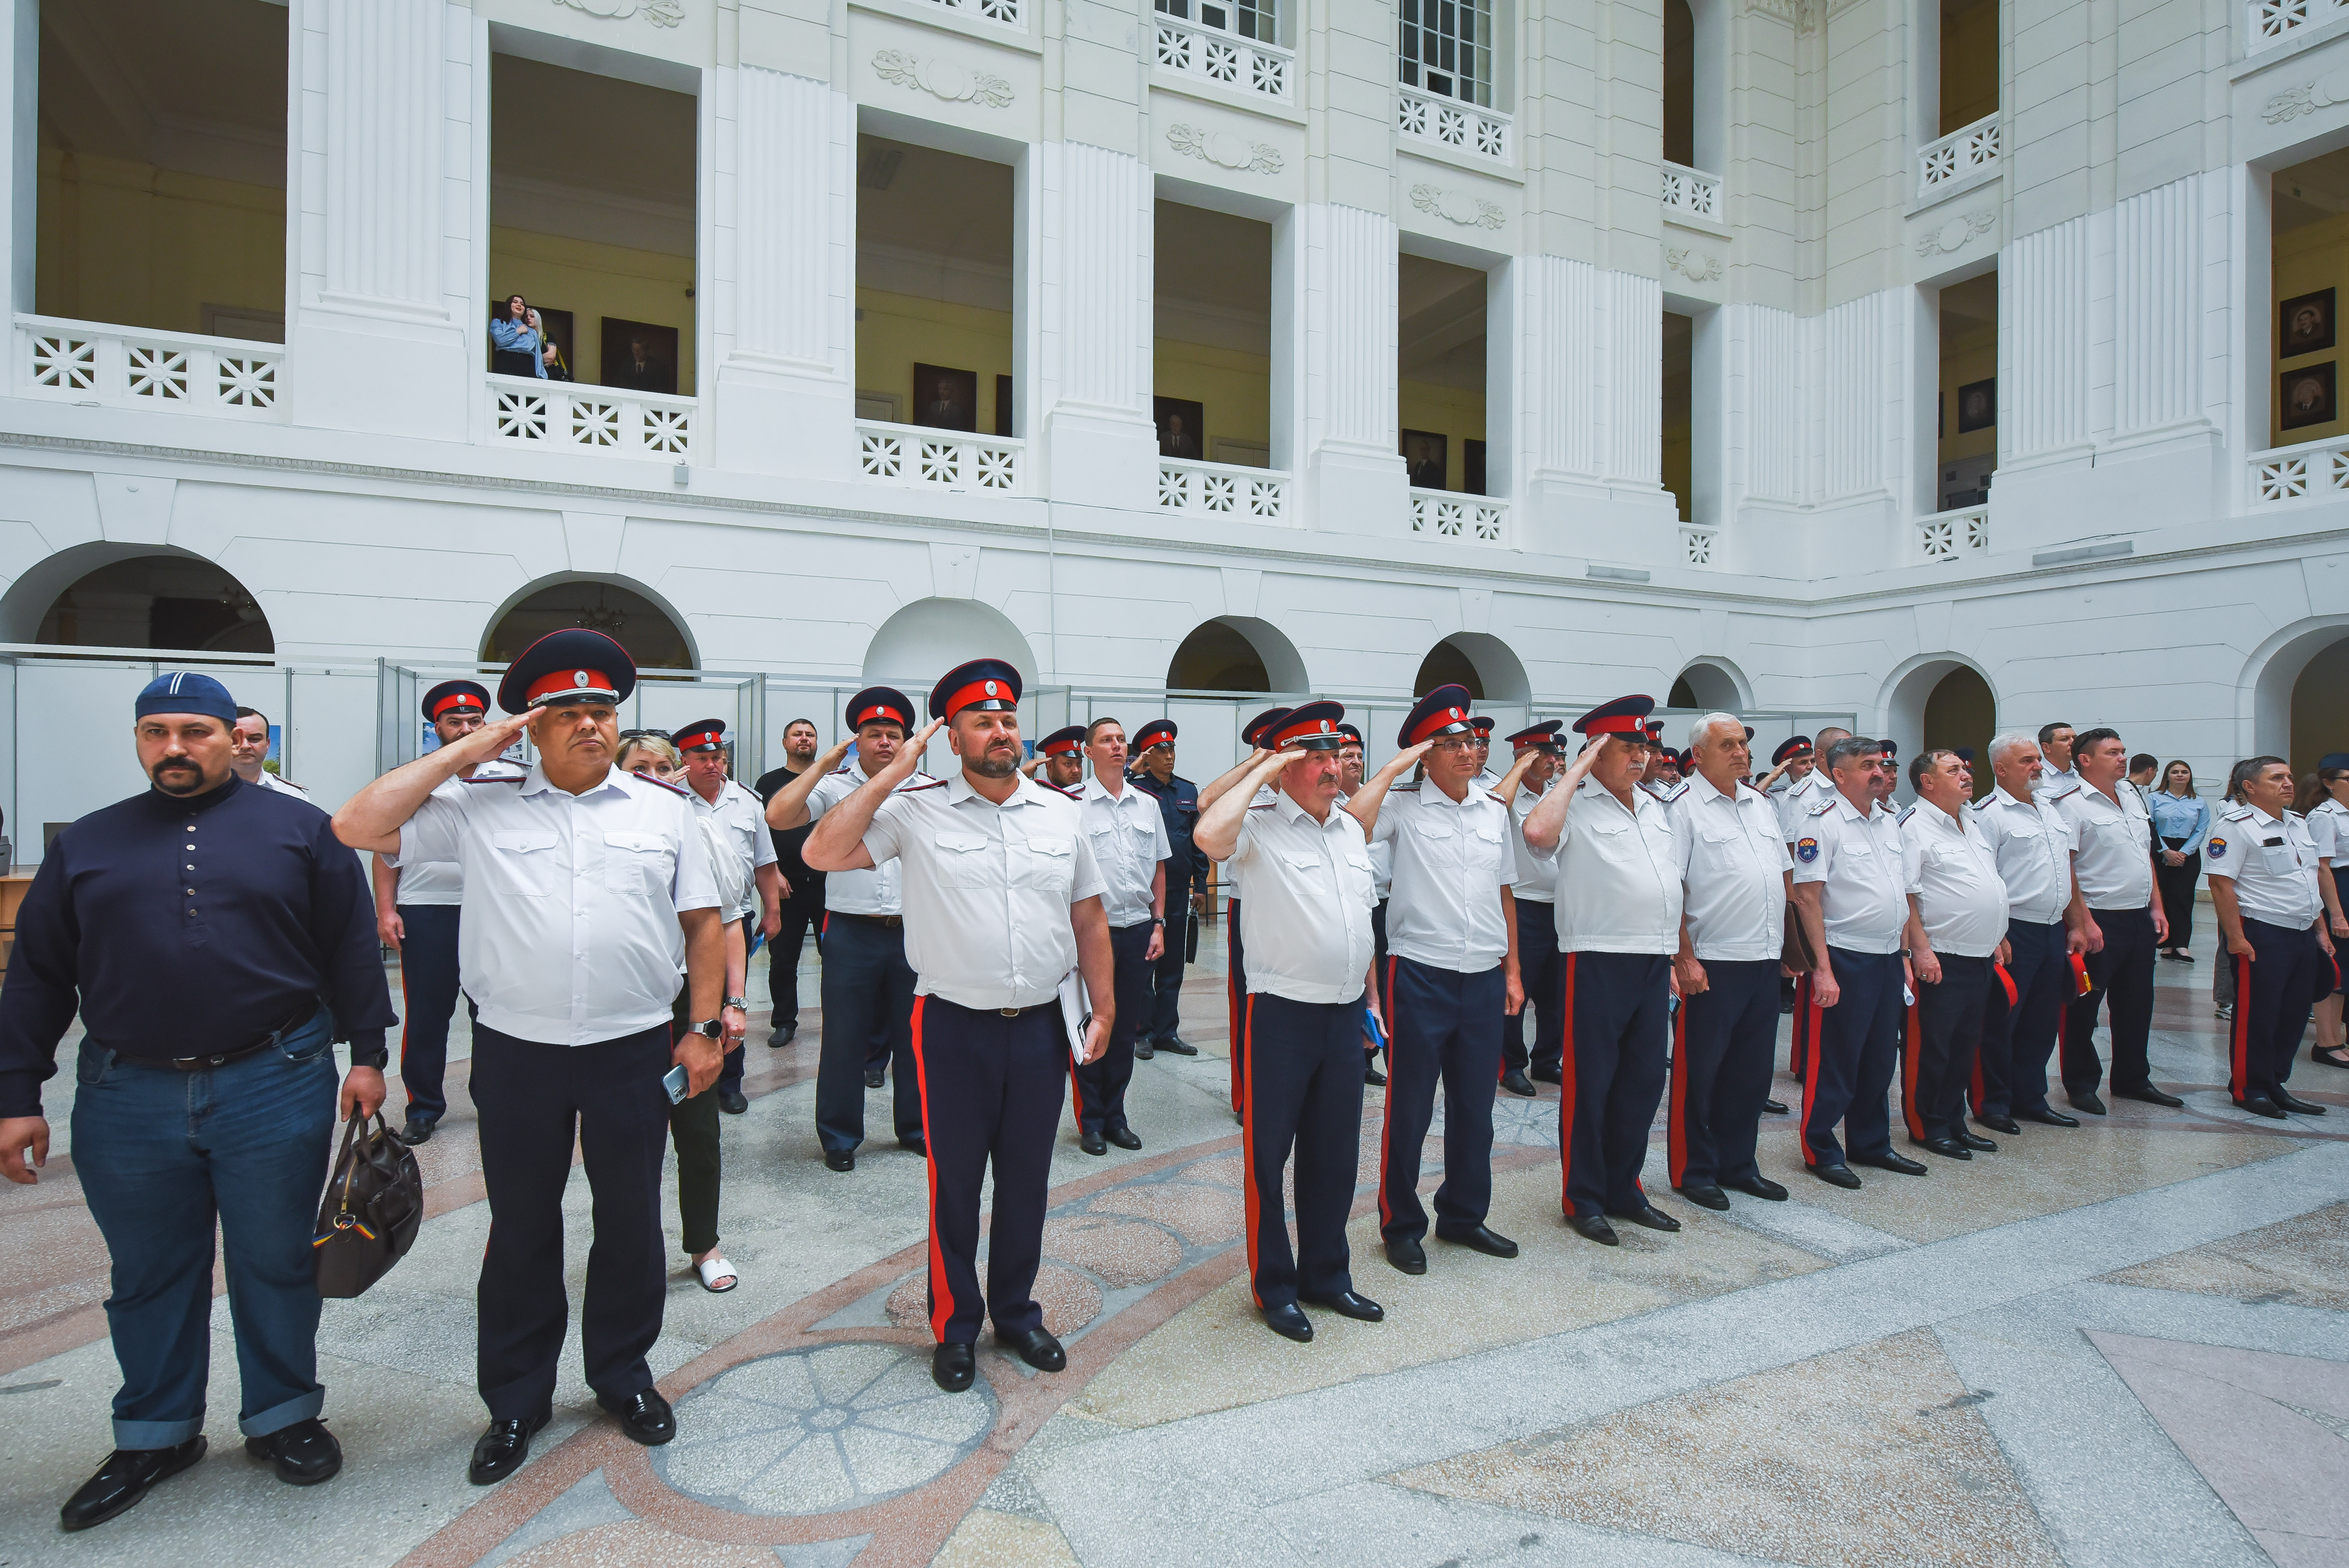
[1186, 879]
[216, 940]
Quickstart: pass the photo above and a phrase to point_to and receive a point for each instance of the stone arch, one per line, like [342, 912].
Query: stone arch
[639, 620]
[1236, 653]
[925, 639]
[121, 595]
[1711, 685]
[1486, 665]
[1901, 706]
[2272, 677]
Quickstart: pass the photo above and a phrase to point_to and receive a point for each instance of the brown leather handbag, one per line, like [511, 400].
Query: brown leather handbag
[373, 1209]
[1795, 953]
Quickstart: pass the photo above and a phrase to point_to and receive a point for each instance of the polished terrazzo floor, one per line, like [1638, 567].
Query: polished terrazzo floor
[2121, 1345]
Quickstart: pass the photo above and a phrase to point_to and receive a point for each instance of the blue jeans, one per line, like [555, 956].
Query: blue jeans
[161, 1155]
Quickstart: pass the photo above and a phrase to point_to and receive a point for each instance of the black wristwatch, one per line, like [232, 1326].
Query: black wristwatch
[713, 1027]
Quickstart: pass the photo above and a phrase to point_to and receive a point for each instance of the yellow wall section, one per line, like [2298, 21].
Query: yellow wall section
[895, 331]
[1451, 412]
[2308, 259]
[2320, 707]
[591, 281]
[141, 246]
[1969, 62]
[1232, 387]
[1966, 357]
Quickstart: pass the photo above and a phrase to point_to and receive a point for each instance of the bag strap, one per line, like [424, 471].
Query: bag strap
[345, 1163]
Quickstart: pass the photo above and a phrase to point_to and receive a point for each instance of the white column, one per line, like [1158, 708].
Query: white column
[785, 399]
[2044, 347]
[1345, 343]
[2157, 320]
[1087, 297]
[1591, 344]
[20, 74]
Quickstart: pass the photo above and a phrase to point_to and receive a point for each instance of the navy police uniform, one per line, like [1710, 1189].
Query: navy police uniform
[2112, 859]
[1187, 873]
[2034, 845]
[2273, 866]
[1127, 835]
[741, 819]
[1253, 733]
[1539, 962]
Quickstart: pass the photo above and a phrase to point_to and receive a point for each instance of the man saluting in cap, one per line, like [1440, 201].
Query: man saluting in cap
[1059, 758]
[741, 820]
[586, 891]
[1002, 900]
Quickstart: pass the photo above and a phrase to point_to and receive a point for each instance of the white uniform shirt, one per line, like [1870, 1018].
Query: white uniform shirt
[1799, 799]
[1309, 902]
[1618, 875]
[2272, 865]
[1127, 834]
[269, 781]
[443, 881]
[1732, 867]
[1451, 861]
[987, 888]
[738, 892]
[2328, 825]
[873, 891]
[570, 933]
[1954, 870]
[1865, 903]
[2113, 858]
[2033, 845]
[1537, 874]
[743, 822]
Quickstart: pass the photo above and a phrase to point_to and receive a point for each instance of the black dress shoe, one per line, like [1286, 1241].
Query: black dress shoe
[1407, 1256]
[915, 1145]
[2045, 1116]
[840, 1160]
[1123, 1137]
[1706, 1197]
[782, 1034]
[2087, 1101]
[1371, 1076]
[2292, 1101]
[1348, 1303]
[1175, 1043]
[731, 1101]
[1899, 1163]
[1946, 1148]
[418, 1131]
[645, 1416]
[1760, 1187]
[304, 1453]
[1143, 1051]
[1837, 1176]
[952, 1366]
[1541, 1072]
[1516, 1082]
[1092, 1142]
[1653, 1218]
[2260, 1105]
[1774, 1107]
[2151, 1096]
[1479, 1238]
[1974, 1141]
[1037, 1348]
[501, 1451]
[1290, 1322]
[2005, 1124]
[127, 1476]
[1594, 1227]
[875, 1077]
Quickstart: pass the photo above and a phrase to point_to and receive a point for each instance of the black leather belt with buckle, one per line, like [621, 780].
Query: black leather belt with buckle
[221, 1058]
[871, 919]
[1015, 1012]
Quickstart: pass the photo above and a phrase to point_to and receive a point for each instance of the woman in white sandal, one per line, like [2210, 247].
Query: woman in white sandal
[693, 1125]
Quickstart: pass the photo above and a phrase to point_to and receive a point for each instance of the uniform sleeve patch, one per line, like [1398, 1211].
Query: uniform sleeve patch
[1807, 849]
[2216, 850]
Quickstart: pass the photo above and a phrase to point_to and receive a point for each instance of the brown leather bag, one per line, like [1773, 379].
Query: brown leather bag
[374, 1207]
[1795, 953]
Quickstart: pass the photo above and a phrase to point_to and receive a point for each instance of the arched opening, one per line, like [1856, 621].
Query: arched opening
[1445, 665]
[2320, 707]
[1962, 714]
[1486, 665]
[1708, 688]
[928, 638]
[653, 634]
[1235, 653]
[145, 600]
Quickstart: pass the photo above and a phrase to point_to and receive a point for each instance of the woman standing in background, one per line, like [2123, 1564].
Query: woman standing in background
[2181, 820]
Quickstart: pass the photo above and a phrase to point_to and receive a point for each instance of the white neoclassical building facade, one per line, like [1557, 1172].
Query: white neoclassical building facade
[1923, 364]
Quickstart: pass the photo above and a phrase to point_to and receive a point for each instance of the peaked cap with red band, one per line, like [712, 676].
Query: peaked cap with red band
[450, 696]
[1542, 736]
[990, 685]
[573, 664]
[1624, 716]
[1313, 727]
[1354, 738]
[701, 734]
[1443, 711]
[1481, 726]
[1062, 742]
[1793, 745]
[1252, 733]
[881, 705]
[1157, 732]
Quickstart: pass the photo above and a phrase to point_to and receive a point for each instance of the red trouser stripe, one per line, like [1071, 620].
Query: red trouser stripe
[2239, 1035]
[1386, 1118]
[1676, 1125]
[1565, 1089]
[1248, 1154]
[1810, 1013]
[1235, 1002]
[1912, 1046]
[942, 1303]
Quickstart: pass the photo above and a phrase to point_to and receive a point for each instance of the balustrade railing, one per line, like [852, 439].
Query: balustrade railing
[130, 367]
[949, 460]
[1957, 155]
[1946, 535]
[1223, 490]
[1692, 190]
[525, 411]
[1448, 122]
[1449, 514]
[2310, 471]
[1208, 54]
[2273, 22]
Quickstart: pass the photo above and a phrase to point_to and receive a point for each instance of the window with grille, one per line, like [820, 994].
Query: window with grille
[1447, 48]
[1248, 18]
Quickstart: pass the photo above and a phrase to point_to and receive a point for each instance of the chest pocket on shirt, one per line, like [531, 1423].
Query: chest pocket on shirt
[2280, 858]
[1484, 850]
[639, 865]
[1309, 873]
[1613, 838]
[963, 860]
[1052, 864]
[521, 861]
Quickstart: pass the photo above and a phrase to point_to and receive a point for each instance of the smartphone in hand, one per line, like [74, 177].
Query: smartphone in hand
[674, 1081]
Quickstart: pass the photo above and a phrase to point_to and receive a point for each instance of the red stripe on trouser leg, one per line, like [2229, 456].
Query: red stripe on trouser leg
[2239, 1035]
[1247, 1157]
[1386, 1118]
[1912, 1046]
[1565, 1089]
[1076, 1096]
[941, 1295]
[1676, 1124]
[1976, 1088]
[1811, 1009]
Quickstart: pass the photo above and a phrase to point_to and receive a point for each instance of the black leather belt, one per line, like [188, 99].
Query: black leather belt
[221, 1058]
[871, 919]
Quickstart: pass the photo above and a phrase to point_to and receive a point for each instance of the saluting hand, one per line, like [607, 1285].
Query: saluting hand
[909, 756]
[485, 744]
[831, 761]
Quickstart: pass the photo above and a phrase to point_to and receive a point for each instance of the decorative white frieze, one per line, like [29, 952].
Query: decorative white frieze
[1957, 233]
[1693, 265]
[659, 13]
[1222, 149]
[1461, 207]
[942, 79]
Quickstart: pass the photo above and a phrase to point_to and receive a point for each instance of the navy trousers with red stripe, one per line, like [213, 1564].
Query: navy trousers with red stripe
[1858, 1046]
[990, 1095]
[1806, 1015]
[1617, 1007]
[1379, 977]
[2122, 973]
[1304, 1093]
[1235, 996]
[1937, 1049]
[2275, 989]
[1097, 1088]
[1722, 1044]
[1442, 1026]
[2010, 1064]
[427, 995]
[867, 986]
[1537, 951]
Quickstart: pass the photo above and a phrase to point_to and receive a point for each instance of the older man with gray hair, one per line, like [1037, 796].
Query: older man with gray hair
[2043, 927]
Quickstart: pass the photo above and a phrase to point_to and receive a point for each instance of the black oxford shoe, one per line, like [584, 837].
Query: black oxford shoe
[1347, 1303]
[2151, 1096]
[1653, 1218]
[1037, 1348]
[782, 1034]
[304, 1454]
[1946, 1148]
[1123, 1137]
[1290, 1322]
[1373, 1077]
[1705, 1197]
[1898, 1164]
[840, 1160]
[732, 1102]
[1176, 1044]
[2292, 1101]
[875, 1077]
[2044, 1116]
[501, 1451]
[2260, 1105]
[1407, 1256]
[645, 1416]
[1516, 1082]
[1492, 1243]
[2088, 1102]
[915, 1145]
[1774, 1107]
[1837, 1176]
[418, 1131]
[1092, 1142]
[952, 1366]
[1594, 1227]
[2005, 1124]
[1974, 1141]
[1758, 1187]
[1144, 1051]
[128, 1475]
[1541, 1072]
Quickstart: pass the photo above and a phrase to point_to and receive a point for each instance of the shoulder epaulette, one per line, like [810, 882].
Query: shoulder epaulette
[1671, 792]
[2240, 814]
[496, 779]
[1496, 799]
[1072, 794]
[1409, 789]
[663, 783]
[1266, 807]
[837, 771]
[1902, 820]
[2292, 816]
[1983, 804]
[933, 784]
[2067, 795]
[1822, 811]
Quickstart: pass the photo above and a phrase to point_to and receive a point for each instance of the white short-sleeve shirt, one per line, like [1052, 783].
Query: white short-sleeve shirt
[1309, 902]
[1618, 874]
[1952, 870]
[1733, 865]
[2272, 864]
[1864, 901]
[1452, 859]
[570, 933]
[1537, 874]
[873, 891]
[2328, 826]
[1127, 834]
[742, 820]
[1799, 799]
[443, 883]
[2114, 857]
[986, 888]
[2033, 845]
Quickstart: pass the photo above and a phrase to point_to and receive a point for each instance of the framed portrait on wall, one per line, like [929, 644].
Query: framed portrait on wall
[1978, 404]
[946, 399]
[640, 356]
[2305, 397]
[2304, 324]
[1426, 453]
[1180, 422]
